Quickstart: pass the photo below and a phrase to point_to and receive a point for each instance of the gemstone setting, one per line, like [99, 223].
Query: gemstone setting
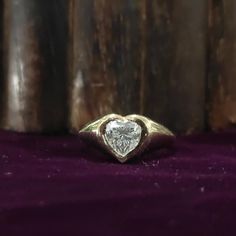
[123, 136]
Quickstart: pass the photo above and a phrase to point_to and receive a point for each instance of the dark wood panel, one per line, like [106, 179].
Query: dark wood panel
[176, 73]
[106, 58]
[142, 56]
[35, 33]
[222, 64]
[125, 56]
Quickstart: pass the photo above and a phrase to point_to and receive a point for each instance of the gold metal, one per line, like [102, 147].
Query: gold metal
[153, 134]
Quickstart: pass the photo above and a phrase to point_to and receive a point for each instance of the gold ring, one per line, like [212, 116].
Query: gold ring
[125, 137]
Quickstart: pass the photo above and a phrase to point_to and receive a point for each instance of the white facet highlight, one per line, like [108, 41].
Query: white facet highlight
[123, 136]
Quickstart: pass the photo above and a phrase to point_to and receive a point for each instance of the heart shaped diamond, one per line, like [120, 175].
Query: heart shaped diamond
[123, 136]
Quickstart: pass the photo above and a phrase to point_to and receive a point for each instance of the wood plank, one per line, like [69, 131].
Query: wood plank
[141, 56]
[177, 46]
[35, 36]
[125, 56]
[106, 39]
[222, 68]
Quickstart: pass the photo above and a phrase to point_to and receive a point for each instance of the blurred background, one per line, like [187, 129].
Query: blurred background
[66, 62]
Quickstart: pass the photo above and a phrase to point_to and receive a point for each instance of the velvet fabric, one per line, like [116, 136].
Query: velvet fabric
[62, 185]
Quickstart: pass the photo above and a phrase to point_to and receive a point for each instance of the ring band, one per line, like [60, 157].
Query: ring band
[127, 136]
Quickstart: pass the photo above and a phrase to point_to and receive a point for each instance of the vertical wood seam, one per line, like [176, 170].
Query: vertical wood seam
[143, 54]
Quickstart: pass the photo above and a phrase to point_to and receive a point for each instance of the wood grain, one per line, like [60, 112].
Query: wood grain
[35, 36]
[140, 56]
[106, 58]
[177, 46]
[74, 61]
[222, 64]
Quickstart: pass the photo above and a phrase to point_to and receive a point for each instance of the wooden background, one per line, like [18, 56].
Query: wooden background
[66, 62]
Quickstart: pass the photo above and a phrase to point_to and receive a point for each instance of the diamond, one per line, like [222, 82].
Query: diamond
[123, 136]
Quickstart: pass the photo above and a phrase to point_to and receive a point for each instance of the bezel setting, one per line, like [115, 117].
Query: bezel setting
[131, 148]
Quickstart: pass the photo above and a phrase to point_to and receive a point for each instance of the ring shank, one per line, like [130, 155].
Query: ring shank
[152, 126]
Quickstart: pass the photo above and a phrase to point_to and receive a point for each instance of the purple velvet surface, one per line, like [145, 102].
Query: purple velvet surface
[61, 185]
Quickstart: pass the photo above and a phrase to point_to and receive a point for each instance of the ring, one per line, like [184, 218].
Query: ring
[125, 137]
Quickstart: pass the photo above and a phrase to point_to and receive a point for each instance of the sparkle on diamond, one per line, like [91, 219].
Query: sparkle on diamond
[123, 136]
